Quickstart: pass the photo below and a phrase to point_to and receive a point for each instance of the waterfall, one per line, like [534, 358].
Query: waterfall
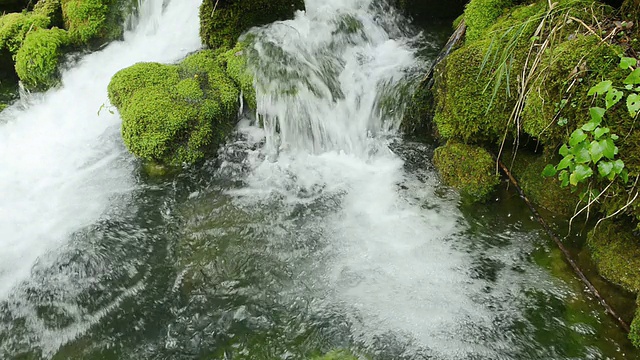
[62, 163]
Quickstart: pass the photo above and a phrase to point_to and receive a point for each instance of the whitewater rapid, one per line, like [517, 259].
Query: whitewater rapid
[62, 163]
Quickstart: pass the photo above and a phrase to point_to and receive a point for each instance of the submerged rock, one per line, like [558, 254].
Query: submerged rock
[175, 114]
[222, 22]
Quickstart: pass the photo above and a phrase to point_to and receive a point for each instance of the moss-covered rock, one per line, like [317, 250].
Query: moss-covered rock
[222, 22]
[51, 9]
[89, 20]
[15, 27]
[37, 60]
[544, 192]
[237, 68]
[337, 355]
[464, 106]
[175, 114]
[468, 168]
[479, 15]
[616, 253]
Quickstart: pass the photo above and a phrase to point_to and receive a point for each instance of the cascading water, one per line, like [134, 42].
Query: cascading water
[319, 230]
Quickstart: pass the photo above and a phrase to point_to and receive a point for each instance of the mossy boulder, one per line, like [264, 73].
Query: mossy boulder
[468, 168]
[38, 58]
[237, 68]
[222, 22]
[175, 114]
[14, 28]
[51, 9]
[616, 252]
[337, 355]
[465, 108]
[92, 21]
[480, 15]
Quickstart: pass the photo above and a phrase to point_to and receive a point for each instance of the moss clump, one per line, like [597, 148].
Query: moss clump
[634, 333]
[479, 15]
[37, 60]
[51, 9]
[175, 114]
[616, 253]
[237, 68]
[222, 22]
[86, 20]
[545, 192]
[15, 27]
[337, 355]
[470, 169]
[142, 75]
[464, 108]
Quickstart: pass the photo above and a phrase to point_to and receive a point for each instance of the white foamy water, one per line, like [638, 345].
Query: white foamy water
[62, 164]
[330, 93]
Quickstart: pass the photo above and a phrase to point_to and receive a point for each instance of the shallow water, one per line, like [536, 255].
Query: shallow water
[321, 230]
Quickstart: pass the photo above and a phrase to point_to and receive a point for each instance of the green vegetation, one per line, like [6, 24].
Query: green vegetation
[222, 22]
[37, 60]
[337, 355]
[32, 41]
[468, 168]
[175, 114]
[554, 77]
[481, 14]
[237, 68]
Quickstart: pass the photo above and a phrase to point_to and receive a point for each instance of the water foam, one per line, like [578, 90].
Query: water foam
[62, 163]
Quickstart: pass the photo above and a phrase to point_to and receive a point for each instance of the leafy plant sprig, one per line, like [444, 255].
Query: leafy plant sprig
[591, 148]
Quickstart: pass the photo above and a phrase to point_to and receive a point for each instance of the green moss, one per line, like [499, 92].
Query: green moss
[583, 60]
[222, 22]
[127, 81]
[175, 114]
[37, 60]
[464, 107]
[545, 192]
[51, 9]
[616, 253]
[479, 15]
[15, 27]
[337, 355]
[91, 20]
[237, 69]
[634, 334]
[419, 112]
[470, 169]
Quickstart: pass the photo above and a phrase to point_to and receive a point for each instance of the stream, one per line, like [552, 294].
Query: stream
[322, 229]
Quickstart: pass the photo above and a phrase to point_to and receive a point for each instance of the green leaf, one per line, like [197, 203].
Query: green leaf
[627, 62]
[600, 88]
[595, 150]
[608, 148]
[618, 165]
[633, 78]
[565, 162]
[624, 175]
[613, 97]
[628, 87]
[582, 155]
[563, 121]
[549, 170]
[590, 126]
[597, 113]
[564, 150]
[604, 168]
[614, 137]
[564, 178]
[633, 104]
[600, 131]
[580, 174]
[577, 137]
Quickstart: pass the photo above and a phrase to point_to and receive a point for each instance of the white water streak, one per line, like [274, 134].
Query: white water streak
[61, 163]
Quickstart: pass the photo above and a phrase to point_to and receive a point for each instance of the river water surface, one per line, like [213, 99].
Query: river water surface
[320, 230]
